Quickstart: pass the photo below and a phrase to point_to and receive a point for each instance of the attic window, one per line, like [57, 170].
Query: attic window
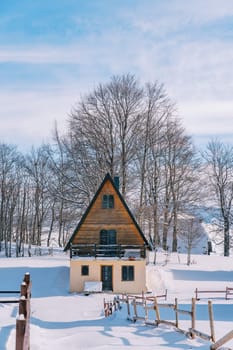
[108, 201]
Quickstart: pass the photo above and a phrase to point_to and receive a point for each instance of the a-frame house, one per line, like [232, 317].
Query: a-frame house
[108, 247]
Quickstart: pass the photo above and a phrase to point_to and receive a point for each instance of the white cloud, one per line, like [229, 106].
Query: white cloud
[163, 17]
[40, 54]
[207, 117]
[197, 71]
[28, 118]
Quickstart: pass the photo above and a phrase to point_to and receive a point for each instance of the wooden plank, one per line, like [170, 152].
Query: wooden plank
[151, 323]
[222, 341]
[176, 312]
[156, 309]
[172, 306]
[184, 312]
[197, 292]
[20, 331]
[193, 313]
[211, 317]
[200, 334]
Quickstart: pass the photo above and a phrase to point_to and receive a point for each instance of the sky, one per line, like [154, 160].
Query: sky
[52, 52]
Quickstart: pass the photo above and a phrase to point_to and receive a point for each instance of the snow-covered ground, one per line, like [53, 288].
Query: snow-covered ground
[60, 320]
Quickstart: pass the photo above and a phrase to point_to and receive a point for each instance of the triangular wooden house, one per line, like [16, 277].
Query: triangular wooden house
[108, 249]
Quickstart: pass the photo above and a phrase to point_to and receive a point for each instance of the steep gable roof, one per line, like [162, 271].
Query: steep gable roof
[106, 178]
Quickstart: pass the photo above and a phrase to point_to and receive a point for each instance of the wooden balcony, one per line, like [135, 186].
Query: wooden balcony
[131, 252]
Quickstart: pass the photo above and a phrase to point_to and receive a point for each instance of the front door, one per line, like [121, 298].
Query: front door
[106, 277]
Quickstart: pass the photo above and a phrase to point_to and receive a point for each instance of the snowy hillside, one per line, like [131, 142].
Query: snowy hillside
[61, 321]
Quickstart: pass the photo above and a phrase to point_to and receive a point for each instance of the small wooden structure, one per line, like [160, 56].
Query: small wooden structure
[107, 245]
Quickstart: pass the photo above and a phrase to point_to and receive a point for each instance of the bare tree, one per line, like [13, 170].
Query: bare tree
[36, 165]
[219, 158]
[105, 125]
[9, 191]
[155, 100]
[190, 234]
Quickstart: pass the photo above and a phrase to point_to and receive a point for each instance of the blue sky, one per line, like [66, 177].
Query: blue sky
[53, 51]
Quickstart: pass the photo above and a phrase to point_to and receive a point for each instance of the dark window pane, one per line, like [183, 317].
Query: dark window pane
[108, 237]
[85, 270]
[108, 201]
[111, 201]
[111, 237]
[124, 273]
[127, 273]
[131, 273]
[103, 237]
[105, 201]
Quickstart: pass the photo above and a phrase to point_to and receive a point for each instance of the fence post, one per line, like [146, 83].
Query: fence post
[23, 289]
[193, 314]
[23, 306]
[27, 278]
[210, 308]
[135, 309]
[128, 306]
[105, 309]
[176, 308]
[145, 308]
[20, 330]
[156, 308]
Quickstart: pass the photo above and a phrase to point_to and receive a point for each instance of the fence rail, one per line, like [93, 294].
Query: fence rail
[151, 303]
[226, 292]
[222, 341]
[9, 301]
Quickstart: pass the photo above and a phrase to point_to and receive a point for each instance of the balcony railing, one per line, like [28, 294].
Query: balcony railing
[133, 252]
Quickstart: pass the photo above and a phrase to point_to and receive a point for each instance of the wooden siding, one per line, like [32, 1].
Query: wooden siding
[117, 219]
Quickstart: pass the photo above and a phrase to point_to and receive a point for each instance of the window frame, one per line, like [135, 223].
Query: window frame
[83, 268]
[128, 273]
[108, 201]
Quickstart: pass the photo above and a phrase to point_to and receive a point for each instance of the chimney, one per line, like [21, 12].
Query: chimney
[117, 182]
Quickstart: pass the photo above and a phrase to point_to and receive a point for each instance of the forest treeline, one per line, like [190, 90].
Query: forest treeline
[126, 129]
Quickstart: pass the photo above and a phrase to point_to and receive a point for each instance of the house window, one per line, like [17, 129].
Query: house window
[127, 273]
[85, 270]
[108, 241]
[108, 237]
[108, 201]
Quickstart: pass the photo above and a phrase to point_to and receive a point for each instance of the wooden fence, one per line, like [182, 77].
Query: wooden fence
[211, 293]
[111, 306]
[151, 303]
[22, 341]
[222, 340]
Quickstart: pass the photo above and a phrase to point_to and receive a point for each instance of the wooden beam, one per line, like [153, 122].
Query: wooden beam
[222, 341]
[211, 317]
